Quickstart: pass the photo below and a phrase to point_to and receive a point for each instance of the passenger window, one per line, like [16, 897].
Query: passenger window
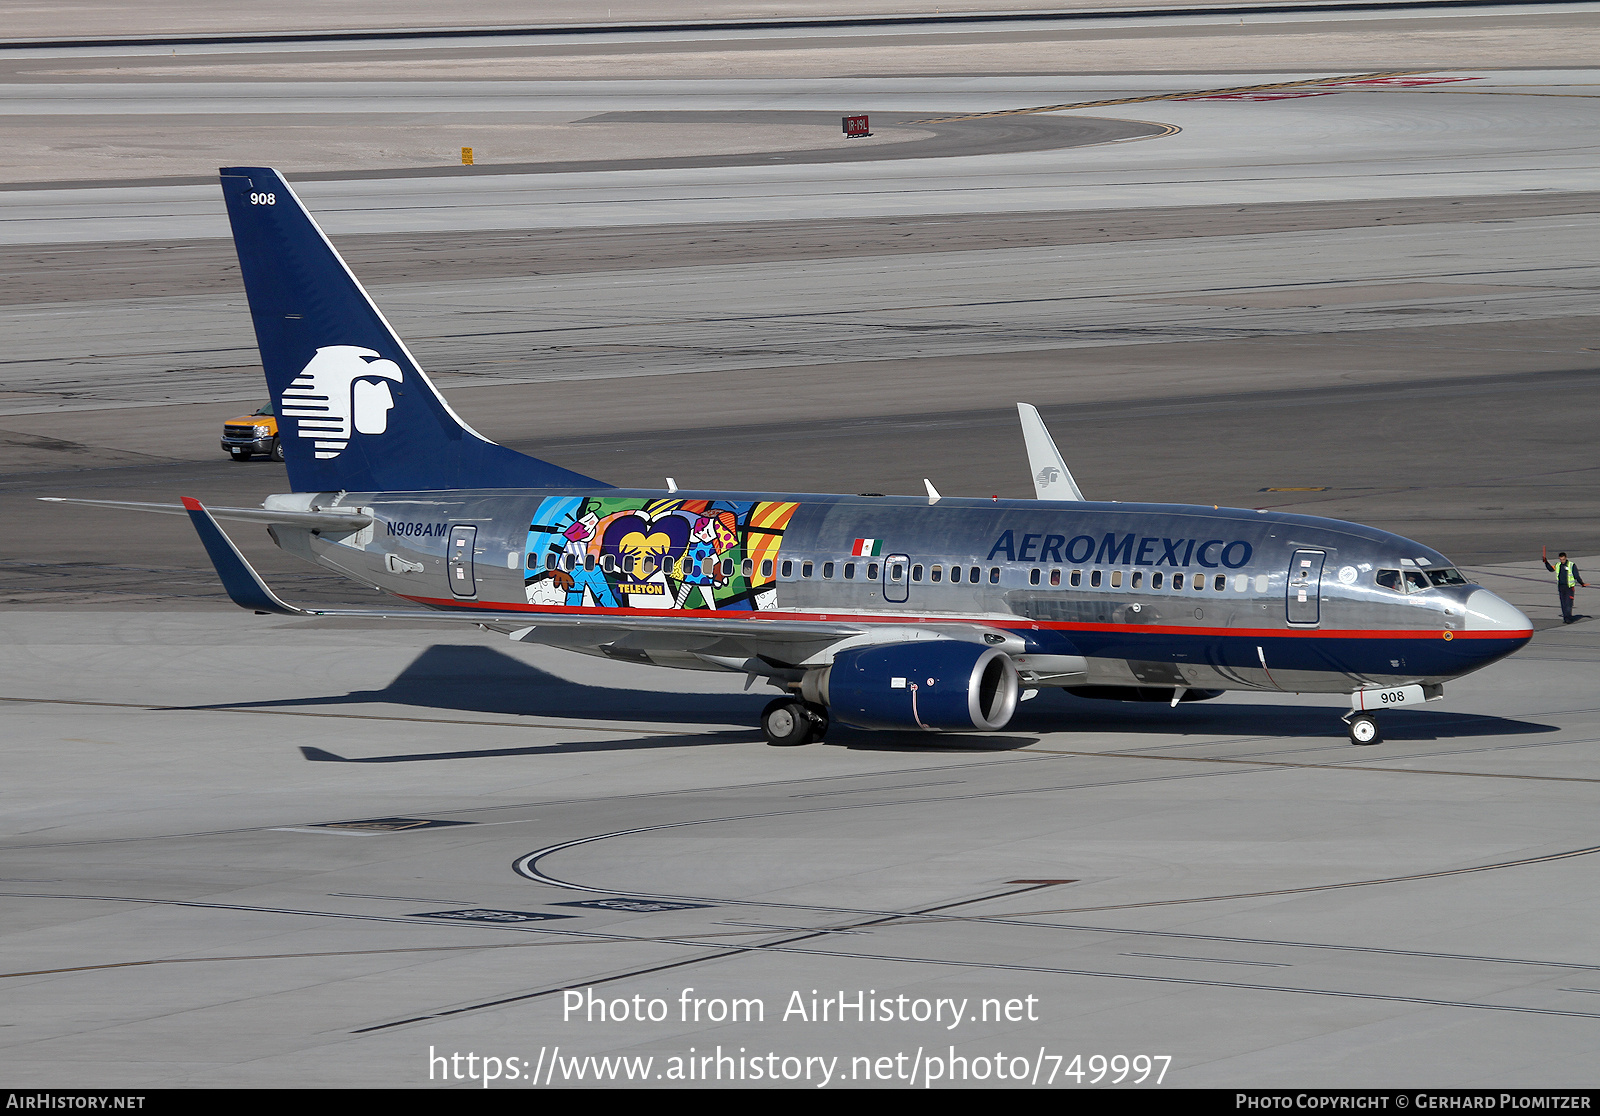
[1390, 579]
[1116, 579]
[1077, 577]
[569, 561]
[936, 573]
[1094, 579]
[588, 562]
[647, 565]
[805, 569]
[916, 572]
[1033, 577]
[849, 571]
[1220, 582]
[708, 567]
[608, 563]
[1241, 582]
[955, 574]
[1177, 581]
[766, 568]
[872, 572]
[1138, 577]
[550, 561]
[973, 574]
[994, 575]
[827, 571]
[787, 569]
[727, 568]
[1055, 577]
[896, 571]
[1156, 579]
[1261, 583]
[747, 567]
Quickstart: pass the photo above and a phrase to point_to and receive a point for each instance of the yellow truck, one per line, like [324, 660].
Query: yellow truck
[252, 434]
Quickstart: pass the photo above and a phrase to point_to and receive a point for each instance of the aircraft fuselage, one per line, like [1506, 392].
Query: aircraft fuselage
[1087, 594]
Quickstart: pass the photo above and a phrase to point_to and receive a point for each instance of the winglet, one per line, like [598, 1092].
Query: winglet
[242, 582]
[1051, 478]
[933, 493]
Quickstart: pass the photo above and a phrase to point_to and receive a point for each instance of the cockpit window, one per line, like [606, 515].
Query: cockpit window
[1416, 581]
[1390, 579]
[1446, 577]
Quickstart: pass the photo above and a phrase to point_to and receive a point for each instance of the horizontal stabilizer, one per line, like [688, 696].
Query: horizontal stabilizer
[1051, 478]
[317, 520]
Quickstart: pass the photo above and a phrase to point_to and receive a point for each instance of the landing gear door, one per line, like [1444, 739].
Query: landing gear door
[458, 561]
[896, 578]
[1304, 598]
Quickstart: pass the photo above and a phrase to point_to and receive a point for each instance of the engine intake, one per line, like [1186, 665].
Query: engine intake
[939, 685]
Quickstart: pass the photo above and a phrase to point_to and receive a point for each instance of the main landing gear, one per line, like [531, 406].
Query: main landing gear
[1364, 729]
[788, 722]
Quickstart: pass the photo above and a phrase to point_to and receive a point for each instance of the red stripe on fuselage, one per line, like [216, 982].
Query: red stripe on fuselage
[1021, 622]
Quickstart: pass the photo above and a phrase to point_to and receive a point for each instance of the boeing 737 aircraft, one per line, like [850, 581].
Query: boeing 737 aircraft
[884, 612]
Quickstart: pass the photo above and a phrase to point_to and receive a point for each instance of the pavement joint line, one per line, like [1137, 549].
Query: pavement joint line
[1016, 757]
[1324, 766]
[1309, 888]
[1303, 83]
[527, 867]
[623, 729]
[757, 27]
[821, 932]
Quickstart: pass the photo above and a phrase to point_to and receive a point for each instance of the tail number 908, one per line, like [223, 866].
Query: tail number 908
[263, 199]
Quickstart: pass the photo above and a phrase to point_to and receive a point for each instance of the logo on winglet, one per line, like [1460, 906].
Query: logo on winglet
[338, 390]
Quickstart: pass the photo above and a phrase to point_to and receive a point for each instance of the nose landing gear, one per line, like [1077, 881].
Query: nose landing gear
[1364, 730]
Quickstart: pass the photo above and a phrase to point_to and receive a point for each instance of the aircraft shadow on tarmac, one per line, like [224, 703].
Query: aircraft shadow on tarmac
[474, 679]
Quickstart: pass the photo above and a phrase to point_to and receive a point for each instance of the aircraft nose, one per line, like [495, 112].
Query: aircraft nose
[1488, 613]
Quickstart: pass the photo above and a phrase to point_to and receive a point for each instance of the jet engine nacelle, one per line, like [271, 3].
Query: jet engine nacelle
[947, 685]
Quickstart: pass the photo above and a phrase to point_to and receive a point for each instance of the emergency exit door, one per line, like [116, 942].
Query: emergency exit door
[1304, 596]
[458, 563]
[896, 578]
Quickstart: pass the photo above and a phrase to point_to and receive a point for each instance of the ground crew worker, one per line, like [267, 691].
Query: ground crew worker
[1567, 581]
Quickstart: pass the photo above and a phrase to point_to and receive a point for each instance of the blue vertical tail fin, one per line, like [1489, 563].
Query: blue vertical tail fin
[355, 410]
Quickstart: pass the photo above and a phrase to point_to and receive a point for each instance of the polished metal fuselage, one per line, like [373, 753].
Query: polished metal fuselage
[1267, 600]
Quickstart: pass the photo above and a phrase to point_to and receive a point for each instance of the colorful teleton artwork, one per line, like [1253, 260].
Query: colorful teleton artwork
[629, 552]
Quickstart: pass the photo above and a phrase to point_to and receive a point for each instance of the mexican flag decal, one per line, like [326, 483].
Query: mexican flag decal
[868, 548]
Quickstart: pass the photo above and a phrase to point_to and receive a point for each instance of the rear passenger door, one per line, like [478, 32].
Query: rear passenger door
[458, 561]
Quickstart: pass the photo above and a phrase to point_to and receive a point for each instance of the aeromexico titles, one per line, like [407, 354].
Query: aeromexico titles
[887, 612]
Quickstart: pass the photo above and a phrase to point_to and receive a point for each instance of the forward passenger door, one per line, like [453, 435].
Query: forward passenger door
[1304, 597]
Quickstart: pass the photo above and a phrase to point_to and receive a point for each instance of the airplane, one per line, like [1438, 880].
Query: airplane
[925, 613]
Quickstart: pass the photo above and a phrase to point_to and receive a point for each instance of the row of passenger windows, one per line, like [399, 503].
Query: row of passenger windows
[869, 571]
[896, 571]
[1036, 576]
[1158, 580]
[644, 567]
